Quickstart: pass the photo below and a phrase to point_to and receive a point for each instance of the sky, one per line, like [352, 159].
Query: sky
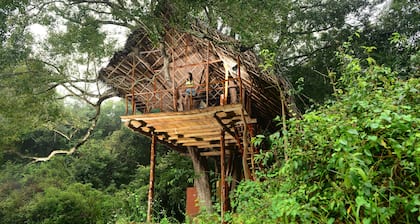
[40, 35]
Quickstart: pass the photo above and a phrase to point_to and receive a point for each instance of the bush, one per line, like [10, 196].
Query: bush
[355, 160]
[79, 203]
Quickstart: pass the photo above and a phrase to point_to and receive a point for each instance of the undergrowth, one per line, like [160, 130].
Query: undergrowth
[354, 160]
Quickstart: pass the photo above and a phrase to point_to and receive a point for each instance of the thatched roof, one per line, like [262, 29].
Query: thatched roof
[154, 70]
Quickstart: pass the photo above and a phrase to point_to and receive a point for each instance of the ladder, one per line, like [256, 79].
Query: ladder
[247, 149]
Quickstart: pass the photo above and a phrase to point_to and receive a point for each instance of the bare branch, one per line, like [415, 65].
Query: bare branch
[93, 120]
[55, 67]
[307, 54]
[80, 96]
[83, 80]
[312, 31]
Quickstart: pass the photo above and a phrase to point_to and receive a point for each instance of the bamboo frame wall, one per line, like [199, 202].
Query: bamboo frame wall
[139, 73]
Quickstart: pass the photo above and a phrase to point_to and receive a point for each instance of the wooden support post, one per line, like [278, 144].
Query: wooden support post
[175, 92]
[207, 75]
[241, 97]
[133, 109]
[226, 83]
[154, 95]
[247, 172]
[151, 178]
[126, 104]
[251, 134]
[222, 175]
[201, 180]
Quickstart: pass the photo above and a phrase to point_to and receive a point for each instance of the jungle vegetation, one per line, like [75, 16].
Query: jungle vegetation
[353, 156]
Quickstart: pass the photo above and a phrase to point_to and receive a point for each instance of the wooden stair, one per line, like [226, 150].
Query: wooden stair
[250, 154]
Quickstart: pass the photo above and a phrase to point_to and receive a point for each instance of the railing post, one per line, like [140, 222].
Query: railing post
[133, 109]
[226, 83]
[241, 97]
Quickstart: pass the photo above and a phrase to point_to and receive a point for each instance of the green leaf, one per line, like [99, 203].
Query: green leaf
[360, 201]
[343, 141]
[372, 138]
[366, 221]
[361, 173]
[367, 152]
[353, 132]
[330, 220]
[374, 125]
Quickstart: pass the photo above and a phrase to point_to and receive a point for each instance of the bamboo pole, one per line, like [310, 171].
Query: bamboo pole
[174, 94]
[151, 178]
[207, 75]
[154, 94]
[226, 83]
[132, 89]
[247, 172]
[240, 81]
[251, 134]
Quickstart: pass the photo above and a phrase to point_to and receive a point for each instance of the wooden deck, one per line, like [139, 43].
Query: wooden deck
[199, 128]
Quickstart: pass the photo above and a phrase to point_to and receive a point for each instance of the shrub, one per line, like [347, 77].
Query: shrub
[79, 203]
[355, 160]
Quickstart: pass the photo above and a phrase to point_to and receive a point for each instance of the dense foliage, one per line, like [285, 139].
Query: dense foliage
[354, 160]
[106, 181]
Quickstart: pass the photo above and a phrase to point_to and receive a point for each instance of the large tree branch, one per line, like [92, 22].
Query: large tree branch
[312, 31]
[113, 6]
[80, 96]
[307, 54]
[84, 139]
[72, 80]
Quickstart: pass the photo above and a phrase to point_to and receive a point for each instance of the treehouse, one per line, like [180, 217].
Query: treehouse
[197, 93]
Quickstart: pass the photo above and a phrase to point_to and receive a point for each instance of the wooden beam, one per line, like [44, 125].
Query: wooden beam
[219, 120]
[201, 139]
[199, 128]
[177, 148]
[205, 133]
[196, 64]
[209, 144]
[215, 153]
[192, 133]
[186, 129]
[169, 115]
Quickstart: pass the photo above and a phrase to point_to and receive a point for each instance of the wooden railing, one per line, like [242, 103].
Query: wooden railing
[205, 96]
[221, 92]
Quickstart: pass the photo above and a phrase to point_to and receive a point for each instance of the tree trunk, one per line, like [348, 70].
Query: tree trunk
[201, 181]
